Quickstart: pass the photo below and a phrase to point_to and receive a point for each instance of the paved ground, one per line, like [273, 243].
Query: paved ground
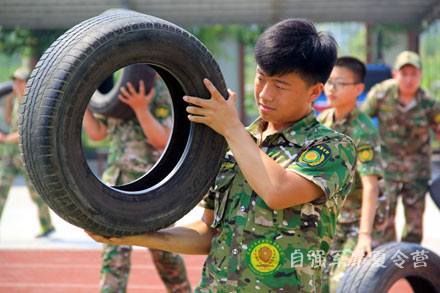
[71, 260]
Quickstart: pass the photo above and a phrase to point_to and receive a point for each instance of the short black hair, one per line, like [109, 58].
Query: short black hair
[354, 65]
[295, 46]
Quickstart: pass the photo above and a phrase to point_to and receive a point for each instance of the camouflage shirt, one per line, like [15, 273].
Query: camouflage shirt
[361, 129]
[130, 151]
[258, 248]
[12, 149]
[403, 131]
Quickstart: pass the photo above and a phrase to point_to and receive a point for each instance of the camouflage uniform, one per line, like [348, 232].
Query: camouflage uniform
[258, 248]
[12, 165]
[405, 144]
[130, 156]
[359, 127]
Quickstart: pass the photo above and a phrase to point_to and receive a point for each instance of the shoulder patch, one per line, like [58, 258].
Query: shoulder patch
[162, 111]
[365, 153]
[437, 118]
[314, 157]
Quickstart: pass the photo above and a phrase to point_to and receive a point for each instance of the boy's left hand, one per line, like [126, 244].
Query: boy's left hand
[217, 113]
[110, 240]
[362, 249]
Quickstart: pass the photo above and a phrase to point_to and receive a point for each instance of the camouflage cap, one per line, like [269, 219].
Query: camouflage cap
[407, 58]
[21, 73]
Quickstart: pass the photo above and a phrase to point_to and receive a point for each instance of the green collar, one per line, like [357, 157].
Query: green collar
[290, 133]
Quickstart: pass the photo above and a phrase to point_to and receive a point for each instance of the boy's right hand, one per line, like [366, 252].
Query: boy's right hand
[137, 100]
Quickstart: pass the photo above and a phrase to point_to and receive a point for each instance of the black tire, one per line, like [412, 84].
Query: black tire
[105, 100]
[5, 88]
[57, 94]
[378, 274]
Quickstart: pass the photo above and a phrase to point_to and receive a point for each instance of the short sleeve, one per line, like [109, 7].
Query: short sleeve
[208, 201]
[102, 119]
[330, 165]
[161, 105]
[369, 106]
[368, 156]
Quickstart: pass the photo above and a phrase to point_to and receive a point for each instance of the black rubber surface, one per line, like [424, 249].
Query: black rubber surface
[58, 92]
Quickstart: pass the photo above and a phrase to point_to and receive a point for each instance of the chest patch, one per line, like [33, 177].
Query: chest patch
[365, 153]
[314, 157]
[264, 257]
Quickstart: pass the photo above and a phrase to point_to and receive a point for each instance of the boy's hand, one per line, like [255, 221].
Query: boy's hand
[362, 249]
[219, 114]
[136, 100]
[111, 240]
[2, 137]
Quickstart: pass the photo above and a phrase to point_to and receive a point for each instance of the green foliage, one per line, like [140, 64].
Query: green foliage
[26, 42]
[431, 58]
[212, 36]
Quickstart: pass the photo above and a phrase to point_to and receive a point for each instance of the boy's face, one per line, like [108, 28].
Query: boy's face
[283, 100]
[342, 88]
[408, 77]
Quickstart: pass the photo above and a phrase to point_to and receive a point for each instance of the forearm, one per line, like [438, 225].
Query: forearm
[11, 138]
[95, 129]
[194, 238]
[156, 133]
[8, 109]
[368, 210]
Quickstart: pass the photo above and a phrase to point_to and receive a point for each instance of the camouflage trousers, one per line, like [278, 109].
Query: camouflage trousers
[10, 168]
[342, 247]
[413, 198]
[116, 265]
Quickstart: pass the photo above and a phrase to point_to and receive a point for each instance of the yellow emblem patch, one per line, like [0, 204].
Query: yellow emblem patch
[264, 257]
[365, 153]
[227, 165]
[437, 118]
[162, 111]
[314, 157]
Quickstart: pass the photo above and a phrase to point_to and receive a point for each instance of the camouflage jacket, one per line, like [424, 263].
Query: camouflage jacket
[403, 131]
[361, 129]
[258, 248]
[130, 152]
[11, 149]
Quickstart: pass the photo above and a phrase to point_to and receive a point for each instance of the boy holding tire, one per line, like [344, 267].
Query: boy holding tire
[269, 218]
[362, 220]
[135, 146]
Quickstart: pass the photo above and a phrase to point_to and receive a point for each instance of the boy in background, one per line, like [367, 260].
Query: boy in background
[362, 218]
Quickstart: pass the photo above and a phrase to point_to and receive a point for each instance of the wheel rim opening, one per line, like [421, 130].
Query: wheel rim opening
[147, 162]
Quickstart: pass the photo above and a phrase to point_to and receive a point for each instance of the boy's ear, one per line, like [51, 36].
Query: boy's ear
[359, 88]
[315, 91]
